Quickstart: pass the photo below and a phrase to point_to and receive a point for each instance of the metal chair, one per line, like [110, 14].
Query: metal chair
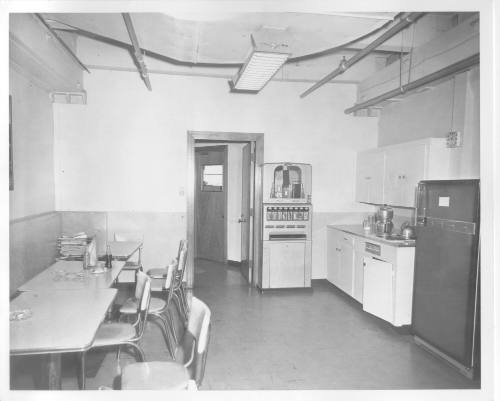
[158, 309]
[119, 333]
[191, 356]
[179, 292]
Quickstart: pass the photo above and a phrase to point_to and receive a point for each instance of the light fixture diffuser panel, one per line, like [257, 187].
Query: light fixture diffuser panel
[258, 70]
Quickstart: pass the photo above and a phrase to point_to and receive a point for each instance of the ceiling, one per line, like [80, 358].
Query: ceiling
[225, 38]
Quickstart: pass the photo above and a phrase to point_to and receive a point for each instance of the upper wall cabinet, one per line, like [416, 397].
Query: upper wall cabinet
[37, 55]
[370, 176]
[389, 175]
[404, 168]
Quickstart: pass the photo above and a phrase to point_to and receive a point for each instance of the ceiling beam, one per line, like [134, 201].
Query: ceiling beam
[405, 20]
[62, 42]
[137, 54]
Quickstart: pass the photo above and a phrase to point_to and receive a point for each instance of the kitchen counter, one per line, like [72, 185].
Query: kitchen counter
[357, 229]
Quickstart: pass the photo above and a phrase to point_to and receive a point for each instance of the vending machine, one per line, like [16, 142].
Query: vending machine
[286, 225]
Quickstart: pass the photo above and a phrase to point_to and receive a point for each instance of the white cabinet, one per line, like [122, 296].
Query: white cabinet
[346, 267]
[382, 282]
[340, 260]
[404, 168]
[389, 175]
[370, 176]
[333, 255]
[287, 259]
[378, 289]
[359, 255]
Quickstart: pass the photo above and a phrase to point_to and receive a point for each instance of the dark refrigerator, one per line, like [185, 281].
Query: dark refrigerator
[445, 316]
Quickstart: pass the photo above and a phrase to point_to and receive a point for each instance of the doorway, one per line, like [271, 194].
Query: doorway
[224, 200]
[210, 194]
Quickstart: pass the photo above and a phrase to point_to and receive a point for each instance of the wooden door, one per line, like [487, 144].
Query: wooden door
[244, 219]
[210, 202]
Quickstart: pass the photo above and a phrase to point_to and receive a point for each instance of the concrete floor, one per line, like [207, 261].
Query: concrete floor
[278, 340]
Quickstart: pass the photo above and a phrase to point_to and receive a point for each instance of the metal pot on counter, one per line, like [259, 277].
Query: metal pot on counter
[407, 231]
[384, 223]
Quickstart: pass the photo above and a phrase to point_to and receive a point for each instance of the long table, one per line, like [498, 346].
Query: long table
[55, 322]
[70, 275]
[122, 250]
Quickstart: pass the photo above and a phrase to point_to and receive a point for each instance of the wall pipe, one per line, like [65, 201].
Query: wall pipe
[445, 72]
[406, 20]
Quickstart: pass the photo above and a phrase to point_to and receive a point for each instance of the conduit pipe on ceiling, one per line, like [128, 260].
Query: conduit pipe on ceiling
[406, 20]
[453, 69]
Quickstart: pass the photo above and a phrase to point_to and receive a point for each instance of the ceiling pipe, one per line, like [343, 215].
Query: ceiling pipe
[445, 72]
[406, 20]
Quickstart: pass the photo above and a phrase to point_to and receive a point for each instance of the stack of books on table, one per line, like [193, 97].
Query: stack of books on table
[72, 247]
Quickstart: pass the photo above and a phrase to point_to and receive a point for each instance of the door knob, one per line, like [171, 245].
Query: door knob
[242, 219]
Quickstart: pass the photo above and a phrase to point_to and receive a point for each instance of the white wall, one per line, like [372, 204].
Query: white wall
[126, 149]
[33, 149]
[33, 228]
[452, 105]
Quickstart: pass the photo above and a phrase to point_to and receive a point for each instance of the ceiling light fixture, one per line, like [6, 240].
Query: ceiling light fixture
[264, 60]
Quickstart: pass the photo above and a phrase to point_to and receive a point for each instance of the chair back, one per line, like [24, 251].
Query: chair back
[199, 327]
[181, 268]
[143, 289]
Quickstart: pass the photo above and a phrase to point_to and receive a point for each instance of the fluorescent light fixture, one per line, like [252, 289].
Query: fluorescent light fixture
[260, 66]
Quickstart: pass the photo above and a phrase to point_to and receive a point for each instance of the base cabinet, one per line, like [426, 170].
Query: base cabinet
[383, 283]
[378, 289]
[340, 260]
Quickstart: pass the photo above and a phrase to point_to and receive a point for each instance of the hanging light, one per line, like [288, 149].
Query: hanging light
[260, 66]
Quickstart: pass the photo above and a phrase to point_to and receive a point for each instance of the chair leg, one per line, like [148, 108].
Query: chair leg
[184, 298]
[82, 374]
[171, 324]
[180, 307]
[142, 357]
[167, 333]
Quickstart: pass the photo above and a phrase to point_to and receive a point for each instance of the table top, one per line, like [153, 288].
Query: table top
[69, 275]
[57, 321]
[124, 249]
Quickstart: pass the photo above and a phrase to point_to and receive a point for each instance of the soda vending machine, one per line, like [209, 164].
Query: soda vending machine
[286, 225]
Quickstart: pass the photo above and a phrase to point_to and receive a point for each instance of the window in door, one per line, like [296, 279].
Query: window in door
[212, 178]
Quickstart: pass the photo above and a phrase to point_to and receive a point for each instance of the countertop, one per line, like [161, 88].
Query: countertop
[357, 229]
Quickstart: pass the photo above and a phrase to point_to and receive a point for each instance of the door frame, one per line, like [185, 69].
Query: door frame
[193, 245]
[258, 139]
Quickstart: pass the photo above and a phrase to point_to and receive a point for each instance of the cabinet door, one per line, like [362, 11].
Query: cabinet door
[287, 264]
[358, 276]
[346, 268]
[404, 168]
[333, 255]
[378, 298]
[370, 177]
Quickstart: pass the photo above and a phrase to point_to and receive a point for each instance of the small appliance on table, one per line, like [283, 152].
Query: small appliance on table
[287, 216]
